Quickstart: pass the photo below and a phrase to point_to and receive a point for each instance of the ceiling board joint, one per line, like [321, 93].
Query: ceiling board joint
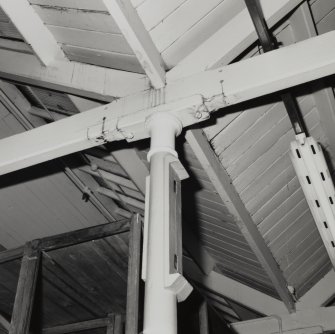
[33, 30]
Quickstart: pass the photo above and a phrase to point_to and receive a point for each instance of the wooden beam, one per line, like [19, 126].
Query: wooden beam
[134, 272]
[70, 77]
[114, 325]
[118, 324]
[107, 202]
[83, 235]
[33, 30]
[122, 181]
[139, 39]
[136, 169]
[110, 325]
[203, 318]
[231, 40]
[191, 100]
[21, 108]
[11, 254]
[295, 64]
[83, 104]
[70, 238]
[235, 291]
[317, 321]
[25, 293]
[77, 327]
[105, 205]
[268, 43]
[227, 192]
[118, 196]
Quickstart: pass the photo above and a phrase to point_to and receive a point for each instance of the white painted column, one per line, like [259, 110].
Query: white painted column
[161, 288]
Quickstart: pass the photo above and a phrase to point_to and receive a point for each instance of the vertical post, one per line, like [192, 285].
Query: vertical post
[25, 292]
[110, 324]
[118, 324]
[114, 325]
[203, 318]
[164, 283]
[134, 263]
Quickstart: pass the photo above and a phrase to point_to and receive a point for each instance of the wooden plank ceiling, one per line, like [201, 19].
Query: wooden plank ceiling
[251, 141]
[89, 34]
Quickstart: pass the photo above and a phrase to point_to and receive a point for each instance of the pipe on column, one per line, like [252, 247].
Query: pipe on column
[160, 303]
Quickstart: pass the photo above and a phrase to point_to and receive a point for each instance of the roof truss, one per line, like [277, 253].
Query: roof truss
[54, 71]
[71, 77]
[191, 100]
[139, 39]
[20, 107]
[130, 161]
[220, 89]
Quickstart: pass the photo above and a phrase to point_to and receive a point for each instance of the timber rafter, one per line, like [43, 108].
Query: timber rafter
[191, 99]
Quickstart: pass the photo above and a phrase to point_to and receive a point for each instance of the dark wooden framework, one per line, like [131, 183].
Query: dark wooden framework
[134, 270]
[31, 260]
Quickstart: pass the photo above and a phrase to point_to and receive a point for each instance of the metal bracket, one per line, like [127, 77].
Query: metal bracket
[174, 279]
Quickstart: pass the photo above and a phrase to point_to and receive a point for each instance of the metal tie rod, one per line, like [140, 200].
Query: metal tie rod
[269, 43]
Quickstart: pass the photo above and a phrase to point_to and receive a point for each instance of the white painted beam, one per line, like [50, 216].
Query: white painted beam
[227, 192]
[294, 64]
[283, 68]
[33, 30]
[321, 320]
[19, 106]
[130, 161]
[71, 77]
[139, 39]
[191, 99]
[235, 291]
[127, 157]
[231, 40]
